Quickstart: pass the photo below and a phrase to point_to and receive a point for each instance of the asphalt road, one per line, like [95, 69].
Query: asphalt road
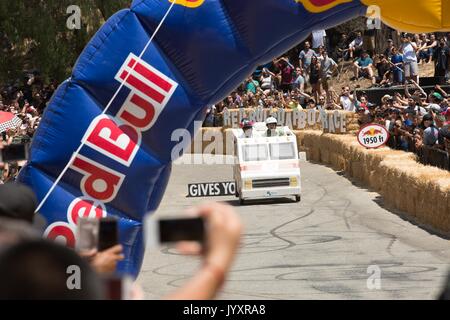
[325, 247]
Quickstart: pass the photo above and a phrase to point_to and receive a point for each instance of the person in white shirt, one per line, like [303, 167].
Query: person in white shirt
[318, 38]
[347, 100]
[266, 81]
[409, 51]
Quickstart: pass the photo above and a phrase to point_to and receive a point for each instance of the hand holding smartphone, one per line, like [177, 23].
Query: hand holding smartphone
[161, 231]
[97, 234]
[14, 152]
[108, 234]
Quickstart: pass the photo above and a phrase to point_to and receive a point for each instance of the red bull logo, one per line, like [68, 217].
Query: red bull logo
[373, 136]
[372, 132]
[117, 138]
[318, 6]
[188, 3]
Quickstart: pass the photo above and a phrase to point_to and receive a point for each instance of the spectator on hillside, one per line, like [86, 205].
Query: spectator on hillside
[287, 74]
[314, 77]
[300, 80]
[363, 67]
[267, 81]
[252, 85]
[417, 40]
[327, 68]
[318, 39]
[397, 66]
[388, 51]
[320, 52]
[341, 50]
[432, 45]
[356, 46]
[424, 52]
[441, 59]
[305, 59]
[409, 50]
[383, 69]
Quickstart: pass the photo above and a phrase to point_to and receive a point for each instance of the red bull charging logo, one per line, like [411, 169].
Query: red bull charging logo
[318, 6]
[373, 136]
[188, 3]
[372, 132]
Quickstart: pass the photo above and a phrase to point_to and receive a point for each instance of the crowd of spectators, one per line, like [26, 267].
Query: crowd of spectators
[286, 80]
[417, 122]
[307, 83]
[26, 99]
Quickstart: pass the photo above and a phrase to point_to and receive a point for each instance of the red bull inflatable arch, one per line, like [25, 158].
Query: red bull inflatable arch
[104, 144]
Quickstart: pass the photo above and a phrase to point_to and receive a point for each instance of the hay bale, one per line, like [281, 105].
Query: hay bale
[312, 138]
[325, 156]
[352, 127]
[315, 154]
[300, 134]
[308, 153]
[432, 187]
[334, 160]
[439, 209]
[422, 191]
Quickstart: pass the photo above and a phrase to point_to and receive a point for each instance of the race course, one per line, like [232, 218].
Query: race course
[320, 248]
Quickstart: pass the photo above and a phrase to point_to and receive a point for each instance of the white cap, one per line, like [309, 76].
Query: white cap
[271, 120]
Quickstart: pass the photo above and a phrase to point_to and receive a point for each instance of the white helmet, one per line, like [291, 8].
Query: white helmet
[271, 120]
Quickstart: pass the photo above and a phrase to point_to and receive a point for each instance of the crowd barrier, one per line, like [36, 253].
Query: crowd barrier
[434, 157]
[431, 156]
[375, 94]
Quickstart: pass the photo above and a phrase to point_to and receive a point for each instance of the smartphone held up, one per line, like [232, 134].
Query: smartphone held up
[14, 152]
[97, 234]
[163, 231]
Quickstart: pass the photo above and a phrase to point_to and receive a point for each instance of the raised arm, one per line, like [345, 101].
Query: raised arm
[438, 88]
[222, 240]
[407, 94]
[304, 94]
[419, 87]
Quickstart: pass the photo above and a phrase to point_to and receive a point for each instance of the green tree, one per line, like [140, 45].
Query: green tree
[34, 35]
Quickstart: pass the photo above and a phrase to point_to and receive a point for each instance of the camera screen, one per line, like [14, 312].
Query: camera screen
[14, 152]
[182, 230]
[108, 235]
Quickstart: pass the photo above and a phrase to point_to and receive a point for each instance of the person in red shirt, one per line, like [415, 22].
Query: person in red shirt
[287, 74]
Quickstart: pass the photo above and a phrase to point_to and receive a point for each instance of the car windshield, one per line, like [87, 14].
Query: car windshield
[256, 152]
[282, 151]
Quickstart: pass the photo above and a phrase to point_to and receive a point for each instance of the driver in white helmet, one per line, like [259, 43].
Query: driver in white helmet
[272, 130]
